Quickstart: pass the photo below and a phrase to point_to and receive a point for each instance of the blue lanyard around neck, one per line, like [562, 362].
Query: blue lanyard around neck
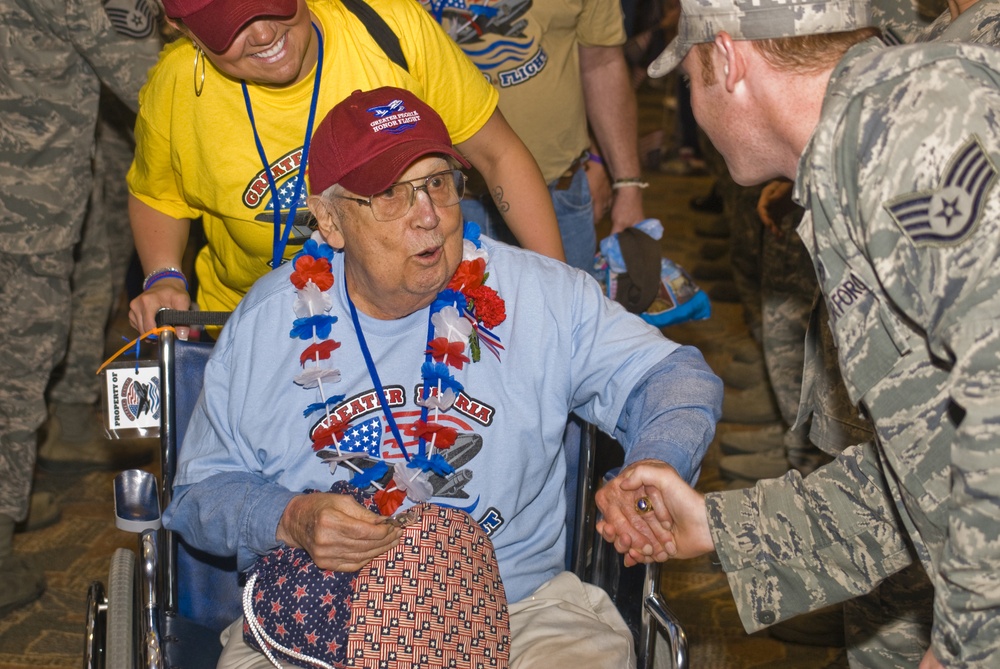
[373, 373]
[281, 238]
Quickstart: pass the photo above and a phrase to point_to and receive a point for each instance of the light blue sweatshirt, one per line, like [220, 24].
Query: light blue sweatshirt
[567, 348]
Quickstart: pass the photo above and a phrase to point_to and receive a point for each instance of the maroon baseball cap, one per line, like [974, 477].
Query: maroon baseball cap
[368, 140]
[216, 22]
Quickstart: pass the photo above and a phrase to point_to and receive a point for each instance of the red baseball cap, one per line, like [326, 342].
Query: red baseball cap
[368, 140]
[216, 22]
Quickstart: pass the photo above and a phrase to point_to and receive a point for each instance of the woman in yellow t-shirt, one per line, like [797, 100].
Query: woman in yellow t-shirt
[226, 116]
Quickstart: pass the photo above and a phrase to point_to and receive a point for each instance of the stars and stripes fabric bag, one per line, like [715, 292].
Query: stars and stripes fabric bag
[436, 600]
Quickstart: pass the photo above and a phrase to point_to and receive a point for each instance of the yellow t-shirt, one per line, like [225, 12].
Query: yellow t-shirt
[196, 156]
[529, 52]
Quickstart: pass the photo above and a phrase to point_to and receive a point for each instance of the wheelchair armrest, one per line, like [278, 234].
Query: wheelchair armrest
[137, 506]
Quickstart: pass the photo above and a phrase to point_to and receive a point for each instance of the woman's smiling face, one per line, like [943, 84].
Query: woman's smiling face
[268, 51]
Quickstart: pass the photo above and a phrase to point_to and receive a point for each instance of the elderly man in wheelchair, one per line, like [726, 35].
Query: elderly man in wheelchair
[395, 399]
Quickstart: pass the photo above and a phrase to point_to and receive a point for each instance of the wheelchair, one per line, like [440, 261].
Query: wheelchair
[165, 608]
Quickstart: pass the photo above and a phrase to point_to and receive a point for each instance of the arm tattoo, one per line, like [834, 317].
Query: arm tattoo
[502, 205]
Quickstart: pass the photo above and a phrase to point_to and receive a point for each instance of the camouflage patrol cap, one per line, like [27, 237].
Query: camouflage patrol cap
[702, 20]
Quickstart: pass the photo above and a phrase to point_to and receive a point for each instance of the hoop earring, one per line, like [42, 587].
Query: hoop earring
[199, 83]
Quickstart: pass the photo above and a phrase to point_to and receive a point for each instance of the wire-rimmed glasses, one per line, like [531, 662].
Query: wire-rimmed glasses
[445, 189]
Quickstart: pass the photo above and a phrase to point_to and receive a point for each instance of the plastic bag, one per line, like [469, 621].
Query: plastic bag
[677, 298]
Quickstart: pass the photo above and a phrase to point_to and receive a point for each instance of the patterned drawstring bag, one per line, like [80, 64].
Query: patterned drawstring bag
[436, 600]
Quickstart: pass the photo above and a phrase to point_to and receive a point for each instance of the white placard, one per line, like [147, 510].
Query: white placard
[133, 396]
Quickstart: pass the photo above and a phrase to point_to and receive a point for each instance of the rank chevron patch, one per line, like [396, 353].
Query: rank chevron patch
[948, 214]
[132, 18]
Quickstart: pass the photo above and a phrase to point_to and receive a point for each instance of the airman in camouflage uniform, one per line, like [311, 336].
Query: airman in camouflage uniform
[898, 177]
[56, 54]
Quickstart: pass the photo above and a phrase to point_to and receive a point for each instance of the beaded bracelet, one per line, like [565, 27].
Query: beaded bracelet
[629, 182]
[164, 273]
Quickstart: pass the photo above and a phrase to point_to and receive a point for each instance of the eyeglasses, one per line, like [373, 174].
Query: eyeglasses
[445, 189]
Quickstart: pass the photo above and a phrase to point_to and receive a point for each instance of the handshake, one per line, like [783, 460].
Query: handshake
[651, 514]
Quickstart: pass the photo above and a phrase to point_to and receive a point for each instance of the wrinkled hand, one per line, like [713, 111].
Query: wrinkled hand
[600, 189]
[337, 532]
[775, 202]
[640, 537]
[929, 661]
[164, 294]
[677, 507]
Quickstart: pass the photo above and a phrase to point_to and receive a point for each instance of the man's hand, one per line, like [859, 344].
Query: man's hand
[775, 203]
[626, 209]
[678, 511]
[641, 538]
[337, 532]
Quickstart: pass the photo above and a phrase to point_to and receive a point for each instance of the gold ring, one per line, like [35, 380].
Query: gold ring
[643, 505]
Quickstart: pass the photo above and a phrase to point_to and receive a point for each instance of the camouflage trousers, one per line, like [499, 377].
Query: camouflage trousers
[36, 294]
[101, 258]
[34, 301]
[890, 627]
[746, 238]
[787, 296]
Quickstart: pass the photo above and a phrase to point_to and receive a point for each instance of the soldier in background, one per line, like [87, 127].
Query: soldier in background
[73, 439]
[559, 67]
[56, 55]
[895, 155]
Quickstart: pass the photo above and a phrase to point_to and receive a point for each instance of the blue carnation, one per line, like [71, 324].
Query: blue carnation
[366, 477]
[438, 373]
[436, 463]
[302, 328]
[449, 298]
[471, 232]
[319, 406]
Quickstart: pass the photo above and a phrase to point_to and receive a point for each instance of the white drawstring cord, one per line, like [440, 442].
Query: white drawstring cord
[263, 640]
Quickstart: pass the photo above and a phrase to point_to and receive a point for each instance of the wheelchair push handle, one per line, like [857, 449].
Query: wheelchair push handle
[199, 318]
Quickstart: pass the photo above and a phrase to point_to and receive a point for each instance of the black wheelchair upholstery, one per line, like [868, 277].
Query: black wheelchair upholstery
[186, 597]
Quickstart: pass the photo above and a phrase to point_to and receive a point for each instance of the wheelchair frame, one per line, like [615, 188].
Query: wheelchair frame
[138, 621]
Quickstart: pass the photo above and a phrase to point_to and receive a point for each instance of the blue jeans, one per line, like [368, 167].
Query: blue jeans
[574, 211]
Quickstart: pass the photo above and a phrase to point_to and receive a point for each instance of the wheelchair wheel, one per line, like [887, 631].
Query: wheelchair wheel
[121, 612]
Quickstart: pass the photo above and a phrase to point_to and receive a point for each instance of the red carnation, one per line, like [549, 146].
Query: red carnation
[490, 307]
[327, 435]
[389, 500]
[320, 351]
[449, 352]
[468, 276]
[440, 435]
[312, 269]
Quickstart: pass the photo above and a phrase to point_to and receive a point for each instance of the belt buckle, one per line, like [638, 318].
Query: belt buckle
[566, 180]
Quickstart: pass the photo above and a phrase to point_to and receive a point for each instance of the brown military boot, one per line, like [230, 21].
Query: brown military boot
[75, 441]
[42, 512]
[20, 582]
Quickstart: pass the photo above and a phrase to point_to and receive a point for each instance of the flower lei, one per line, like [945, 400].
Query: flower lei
[462, 315]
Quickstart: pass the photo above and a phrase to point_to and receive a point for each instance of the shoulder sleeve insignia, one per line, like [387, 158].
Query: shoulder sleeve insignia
[132, 18]
[948, 214]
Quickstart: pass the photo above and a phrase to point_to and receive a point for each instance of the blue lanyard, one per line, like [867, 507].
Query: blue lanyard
[281, 238]
[373, 373]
